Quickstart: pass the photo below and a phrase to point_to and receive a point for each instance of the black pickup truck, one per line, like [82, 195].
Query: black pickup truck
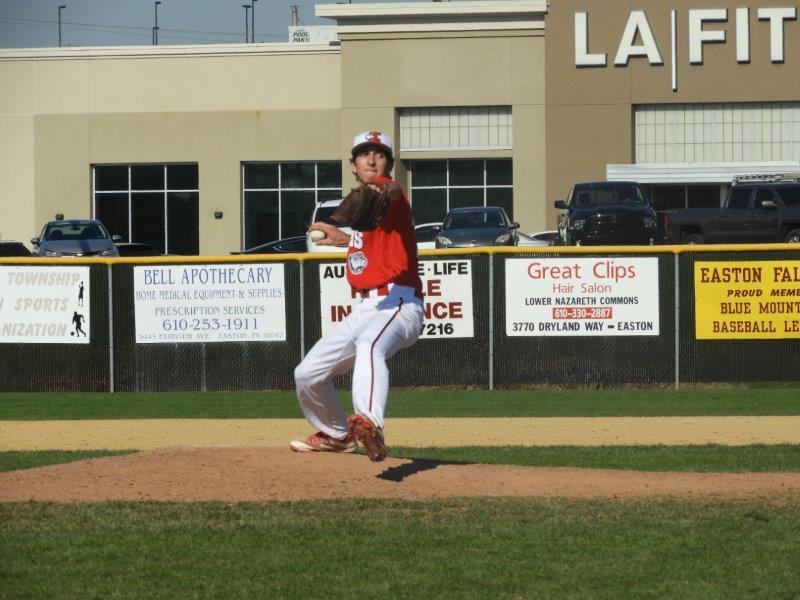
[753, 212]
[606, 212]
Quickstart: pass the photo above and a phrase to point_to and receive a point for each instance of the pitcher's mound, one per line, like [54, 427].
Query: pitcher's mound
[234, 474]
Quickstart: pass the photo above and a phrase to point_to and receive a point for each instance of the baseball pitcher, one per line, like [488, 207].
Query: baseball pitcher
[382, 271]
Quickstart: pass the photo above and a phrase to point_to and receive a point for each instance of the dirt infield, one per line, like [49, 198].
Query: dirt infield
[249, 460]
[554, 431]
[234, 474]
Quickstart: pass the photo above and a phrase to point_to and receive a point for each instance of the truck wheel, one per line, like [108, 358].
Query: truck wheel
[692, 238]
[793, 237]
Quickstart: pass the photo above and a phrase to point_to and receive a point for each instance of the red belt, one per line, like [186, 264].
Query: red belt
[372, 292]
[379, 291]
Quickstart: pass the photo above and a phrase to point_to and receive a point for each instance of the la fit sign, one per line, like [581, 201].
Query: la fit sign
[639, 41]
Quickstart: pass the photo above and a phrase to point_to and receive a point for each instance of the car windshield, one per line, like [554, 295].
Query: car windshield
[293, 245]
[75, 231]
[474, 220]
[791, 196]
[426, 234]
[627, 195]
[13, 249]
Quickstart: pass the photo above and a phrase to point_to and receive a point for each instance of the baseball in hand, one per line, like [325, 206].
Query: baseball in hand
[317, 235]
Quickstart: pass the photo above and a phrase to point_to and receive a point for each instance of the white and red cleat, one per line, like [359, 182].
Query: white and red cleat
[322, 442]
[369, 434]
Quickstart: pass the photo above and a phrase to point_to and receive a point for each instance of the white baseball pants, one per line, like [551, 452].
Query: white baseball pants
[377, 327]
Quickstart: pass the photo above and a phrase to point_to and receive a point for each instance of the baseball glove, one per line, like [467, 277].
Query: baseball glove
[363, 208]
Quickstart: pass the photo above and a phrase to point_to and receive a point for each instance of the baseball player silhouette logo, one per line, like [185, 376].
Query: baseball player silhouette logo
[77, 320]
[381, 269]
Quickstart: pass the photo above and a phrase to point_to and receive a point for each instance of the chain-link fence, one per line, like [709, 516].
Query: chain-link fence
[489, 357]
[586, 360]
[49, 367]
[735, 360]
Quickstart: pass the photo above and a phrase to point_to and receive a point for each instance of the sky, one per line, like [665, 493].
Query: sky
[34, 23]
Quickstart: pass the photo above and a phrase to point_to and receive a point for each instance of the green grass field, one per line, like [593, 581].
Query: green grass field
[476, 548]
[12, 461]
[403, 403]
[464, 548]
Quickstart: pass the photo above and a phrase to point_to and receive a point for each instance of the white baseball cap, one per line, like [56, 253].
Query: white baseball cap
[372, 138]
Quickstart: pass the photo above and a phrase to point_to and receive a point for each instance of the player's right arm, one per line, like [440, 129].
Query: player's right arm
[335, 236]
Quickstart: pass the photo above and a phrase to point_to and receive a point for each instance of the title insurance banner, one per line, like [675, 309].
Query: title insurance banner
[44, 305]
[209, 303]
[747, 300]
[582, 296]
[446, 285]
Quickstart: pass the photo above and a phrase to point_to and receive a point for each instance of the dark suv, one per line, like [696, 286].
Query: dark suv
[607, 213]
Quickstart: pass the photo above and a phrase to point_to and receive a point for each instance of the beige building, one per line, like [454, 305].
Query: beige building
[679, 95]
[208, 149]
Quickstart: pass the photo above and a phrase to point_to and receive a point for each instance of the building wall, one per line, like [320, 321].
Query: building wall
[62, 116]
[217, 141]
[590, 109]
[381, 73]
[69, 109]
[65, 110]
[17, 180]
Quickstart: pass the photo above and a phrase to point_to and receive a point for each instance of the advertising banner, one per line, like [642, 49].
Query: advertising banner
[582, 296]
[446, 285]
[747, 300]
[44, 305]
[209, 303]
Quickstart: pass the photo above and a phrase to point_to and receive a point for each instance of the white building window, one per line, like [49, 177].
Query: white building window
[156, 204]
[718, 133]
[278, 198]
[439, 185]
[456, 128]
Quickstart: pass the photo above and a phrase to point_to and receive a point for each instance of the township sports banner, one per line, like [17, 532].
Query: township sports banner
[446, 285]
[747, 300]
[582, 296]
[44, 305]
[209, 303]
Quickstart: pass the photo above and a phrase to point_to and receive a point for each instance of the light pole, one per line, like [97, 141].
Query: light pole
[246, 8]
[253, 24]
[60, 8]
[155, 29]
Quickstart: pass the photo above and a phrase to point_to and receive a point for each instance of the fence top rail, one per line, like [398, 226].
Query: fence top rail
[316, 256]
[665, 249]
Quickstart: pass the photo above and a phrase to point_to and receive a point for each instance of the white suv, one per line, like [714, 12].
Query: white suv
[322, 212]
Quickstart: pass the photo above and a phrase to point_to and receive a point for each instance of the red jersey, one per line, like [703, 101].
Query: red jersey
[388, 253]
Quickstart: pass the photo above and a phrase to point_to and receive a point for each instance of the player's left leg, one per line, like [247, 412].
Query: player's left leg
[377, 338]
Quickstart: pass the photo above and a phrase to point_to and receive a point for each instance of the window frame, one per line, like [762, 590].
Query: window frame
[461, 123]
[716, 132]
[165, 191]
[447, 187]
[279, 190]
